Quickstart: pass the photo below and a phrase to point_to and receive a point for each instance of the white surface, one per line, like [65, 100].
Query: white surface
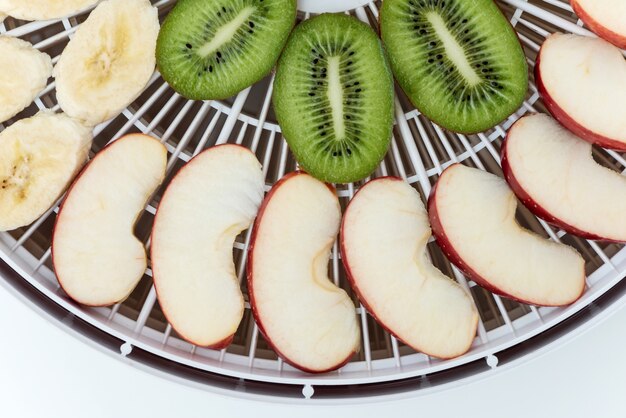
[47, 372]
[318, 6]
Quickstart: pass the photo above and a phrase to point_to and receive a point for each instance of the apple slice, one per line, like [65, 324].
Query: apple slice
[310, 322]
[472, 214]
[208, 203]
[583, 84]
[383, 246]
[553, 173]
[97, 258]
[607, 18]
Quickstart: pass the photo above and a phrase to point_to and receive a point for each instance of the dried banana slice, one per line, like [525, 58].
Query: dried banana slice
[39, 157]
[43, 9]
[109, 61]
[23, 74]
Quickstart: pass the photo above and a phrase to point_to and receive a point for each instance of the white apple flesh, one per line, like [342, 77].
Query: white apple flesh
[97, 258]
[384, 234]
[472, 214]
[607, 18]
[553, 173]
[308, 320]
[582, 81]
[207, 204]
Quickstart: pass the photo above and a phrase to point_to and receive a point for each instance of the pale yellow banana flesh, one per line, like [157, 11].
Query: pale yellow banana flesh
[43, 9]
[22, 76]
[109, 61]
[39, 157]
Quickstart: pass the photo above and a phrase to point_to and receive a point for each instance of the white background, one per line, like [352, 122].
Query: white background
[46, 372]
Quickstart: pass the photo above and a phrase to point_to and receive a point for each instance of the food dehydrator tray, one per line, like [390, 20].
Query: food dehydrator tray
[419, 153]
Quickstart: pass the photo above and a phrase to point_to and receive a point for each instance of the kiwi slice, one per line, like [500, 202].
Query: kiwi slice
[333, 97]
[212, 49]
[459, 62]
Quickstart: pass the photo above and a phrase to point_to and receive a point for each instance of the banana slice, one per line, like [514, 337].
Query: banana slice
[109, 61]
[43, 9]
[39, 156]
[23, 75]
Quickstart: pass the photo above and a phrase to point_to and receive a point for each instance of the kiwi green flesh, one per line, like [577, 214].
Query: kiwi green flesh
[214, 49]
[459, 62]
[333, 98]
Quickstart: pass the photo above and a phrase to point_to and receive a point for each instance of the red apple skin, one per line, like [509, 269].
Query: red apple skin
[250, 277]
[600, 30]
[56, 224]
[566, 120]
[357, 291]
[535, 207]
[228, 340]
[454, 257]
[56, 221]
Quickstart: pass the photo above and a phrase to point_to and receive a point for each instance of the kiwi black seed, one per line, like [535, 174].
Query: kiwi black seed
[333, 97]
[212, 49]
[459, 62]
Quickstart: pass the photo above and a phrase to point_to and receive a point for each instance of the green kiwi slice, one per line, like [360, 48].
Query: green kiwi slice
[333, 98]
[212, 49]
[459, 61]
